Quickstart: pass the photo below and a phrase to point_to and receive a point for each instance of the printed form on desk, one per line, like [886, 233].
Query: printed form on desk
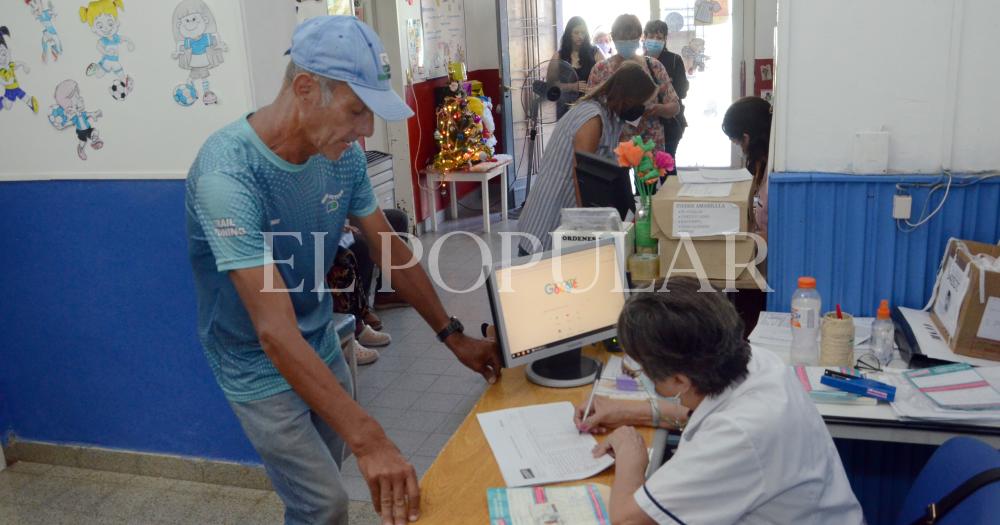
[539, 444]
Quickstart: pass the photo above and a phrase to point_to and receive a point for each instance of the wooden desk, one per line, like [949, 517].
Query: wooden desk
[481, 173]
[454, 489]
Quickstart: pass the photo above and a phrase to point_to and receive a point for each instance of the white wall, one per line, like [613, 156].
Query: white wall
[481, 35]
[922, 70]
[766, 17]
[272, 24]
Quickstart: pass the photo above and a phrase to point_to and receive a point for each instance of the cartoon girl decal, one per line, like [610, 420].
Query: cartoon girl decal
[70, 111]
[199, 49]
[102, 17]
[43, 12]
[8, 73]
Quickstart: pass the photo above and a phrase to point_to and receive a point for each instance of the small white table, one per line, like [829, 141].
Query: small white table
[481, 173]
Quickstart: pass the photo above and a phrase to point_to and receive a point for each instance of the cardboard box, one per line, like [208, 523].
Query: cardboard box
[716, 228]
[966, 305]
[624, 245]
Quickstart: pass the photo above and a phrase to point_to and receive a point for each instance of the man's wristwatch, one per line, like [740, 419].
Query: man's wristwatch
[454, 325]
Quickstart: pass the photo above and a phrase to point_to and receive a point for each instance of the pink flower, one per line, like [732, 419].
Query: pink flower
[664, 160]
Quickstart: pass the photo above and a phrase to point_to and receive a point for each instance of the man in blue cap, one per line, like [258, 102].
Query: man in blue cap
[266, 201]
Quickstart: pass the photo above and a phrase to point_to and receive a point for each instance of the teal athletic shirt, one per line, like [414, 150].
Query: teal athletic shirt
[237, 192]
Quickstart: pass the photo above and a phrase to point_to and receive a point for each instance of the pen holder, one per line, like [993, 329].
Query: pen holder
[836, 347]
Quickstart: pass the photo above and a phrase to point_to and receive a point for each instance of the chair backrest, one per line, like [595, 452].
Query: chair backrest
[954, 462]
[344, 324]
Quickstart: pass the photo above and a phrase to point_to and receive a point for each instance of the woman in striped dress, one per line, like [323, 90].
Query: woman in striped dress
[594, 125]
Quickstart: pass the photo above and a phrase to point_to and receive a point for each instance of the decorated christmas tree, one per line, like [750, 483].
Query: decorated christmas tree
[462, 137]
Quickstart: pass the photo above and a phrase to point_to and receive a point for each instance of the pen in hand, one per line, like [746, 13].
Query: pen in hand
[590, 401]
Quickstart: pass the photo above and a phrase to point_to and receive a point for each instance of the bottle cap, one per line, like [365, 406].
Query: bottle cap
[807, 282]
[883, 310]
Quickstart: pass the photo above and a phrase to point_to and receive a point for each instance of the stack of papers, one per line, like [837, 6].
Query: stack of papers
[910, 403]
[580, 505]
[539, 444]
[774, 330]
[710, 176]
[956, 387]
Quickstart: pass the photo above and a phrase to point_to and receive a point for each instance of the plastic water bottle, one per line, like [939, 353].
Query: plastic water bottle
[806, 311]
[883, 334]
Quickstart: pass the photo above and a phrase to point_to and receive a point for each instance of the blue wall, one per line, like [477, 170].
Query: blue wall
[99, 331]
[839, 229]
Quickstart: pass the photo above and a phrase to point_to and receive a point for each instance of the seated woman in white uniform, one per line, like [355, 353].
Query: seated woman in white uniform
[754, 449]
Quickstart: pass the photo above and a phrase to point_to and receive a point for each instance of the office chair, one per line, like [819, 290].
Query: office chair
[956, 461]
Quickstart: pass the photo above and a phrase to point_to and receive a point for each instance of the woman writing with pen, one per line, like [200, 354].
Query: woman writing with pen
[753, 448]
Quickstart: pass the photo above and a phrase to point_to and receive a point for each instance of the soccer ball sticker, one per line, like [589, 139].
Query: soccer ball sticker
[185, 94]
[120, 89]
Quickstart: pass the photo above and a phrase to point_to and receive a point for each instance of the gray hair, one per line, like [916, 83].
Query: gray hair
[684, 331]
[327, 85]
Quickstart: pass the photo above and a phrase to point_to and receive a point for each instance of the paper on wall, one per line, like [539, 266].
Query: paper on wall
[705, 190]
[989, 327]
[954, 284]
[704, 219]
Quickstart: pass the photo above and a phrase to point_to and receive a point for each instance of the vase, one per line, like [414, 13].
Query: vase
[643, 223]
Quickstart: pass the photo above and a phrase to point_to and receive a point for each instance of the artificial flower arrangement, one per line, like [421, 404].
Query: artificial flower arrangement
[647, 166]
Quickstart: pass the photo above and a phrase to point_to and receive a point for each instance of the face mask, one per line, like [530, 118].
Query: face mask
[633, 114]
[653, 47]
[605, 48]
[627, 48]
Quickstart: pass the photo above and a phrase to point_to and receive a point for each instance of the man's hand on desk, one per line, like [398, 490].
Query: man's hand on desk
[391, 480]
[627, 447]
[481, 355]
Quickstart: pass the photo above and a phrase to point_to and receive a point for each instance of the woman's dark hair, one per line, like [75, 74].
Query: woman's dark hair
[656, 27]
[628, 86]
[4, 32]
[750, 115]
[626, 27]
[686, 331]
[587, 50]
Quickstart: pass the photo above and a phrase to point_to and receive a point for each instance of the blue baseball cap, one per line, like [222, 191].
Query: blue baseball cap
[346, 49]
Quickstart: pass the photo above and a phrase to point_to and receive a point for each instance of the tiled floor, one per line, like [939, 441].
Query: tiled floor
[417, 390]
[32, 493]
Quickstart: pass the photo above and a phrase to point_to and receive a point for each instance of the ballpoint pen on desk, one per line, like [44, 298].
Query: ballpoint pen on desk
[590, 401]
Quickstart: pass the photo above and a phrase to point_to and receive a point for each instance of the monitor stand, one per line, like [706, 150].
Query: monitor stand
[565, 370]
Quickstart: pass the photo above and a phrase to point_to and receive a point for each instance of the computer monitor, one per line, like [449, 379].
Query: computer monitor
[545, 311]
[604, 184]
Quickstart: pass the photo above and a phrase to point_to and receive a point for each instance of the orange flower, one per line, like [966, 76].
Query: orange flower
[629, 154]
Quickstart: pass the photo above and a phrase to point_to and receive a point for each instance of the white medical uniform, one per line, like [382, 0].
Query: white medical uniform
[756, 453]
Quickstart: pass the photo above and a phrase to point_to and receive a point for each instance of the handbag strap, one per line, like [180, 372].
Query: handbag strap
[937, 510]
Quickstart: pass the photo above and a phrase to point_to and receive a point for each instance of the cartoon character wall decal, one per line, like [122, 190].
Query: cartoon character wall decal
[70, 110]
[199, 49]
[43, 12]
[8, 74]
[102, 17]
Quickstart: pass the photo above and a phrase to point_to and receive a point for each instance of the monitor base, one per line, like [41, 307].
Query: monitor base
[566, 370]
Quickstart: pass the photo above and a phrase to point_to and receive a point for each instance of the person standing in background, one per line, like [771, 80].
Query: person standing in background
[576, 50]
[654, 40]
[627, 32]
[603, 42]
